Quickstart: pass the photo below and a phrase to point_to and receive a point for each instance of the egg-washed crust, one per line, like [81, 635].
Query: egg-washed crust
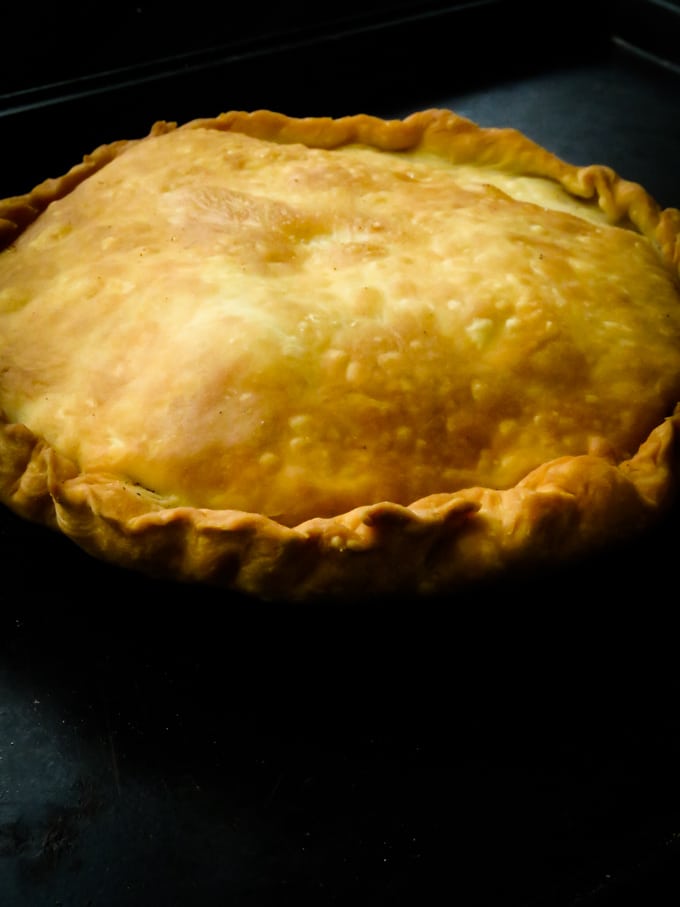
[566, 507]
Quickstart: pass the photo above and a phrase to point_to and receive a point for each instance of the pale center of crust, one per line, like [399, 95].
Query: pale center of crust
[245, 325]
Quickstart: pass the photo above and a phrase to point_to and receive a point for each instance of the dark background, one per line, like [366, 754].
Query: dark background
[512, 744]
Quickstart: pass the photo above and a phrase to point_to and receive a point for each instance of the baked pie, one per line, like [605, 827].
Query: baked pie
[319, 357]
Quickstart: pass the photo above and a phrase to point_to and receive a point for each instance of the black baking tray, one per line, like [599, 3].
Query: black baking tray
[516, 743]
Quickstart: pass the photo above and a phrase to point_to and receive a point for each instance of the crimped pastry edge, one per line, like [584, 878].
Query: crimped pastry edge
[564, 508]
[439, 131]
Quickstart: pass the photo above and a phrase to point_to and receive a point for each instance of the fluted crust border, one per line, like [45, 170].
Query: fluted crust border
[564, 508]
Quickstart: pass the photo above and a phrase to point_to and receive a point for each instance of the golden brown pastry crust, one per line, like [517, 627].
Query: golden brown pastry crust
[562, 506]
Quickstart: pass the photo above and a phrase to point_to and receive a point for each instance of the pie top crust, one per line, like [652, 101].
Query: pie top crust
[316, 357]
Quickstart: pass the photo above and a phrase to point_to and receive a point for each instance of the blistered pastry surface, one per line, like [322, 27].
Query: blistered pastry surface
[235, 323]
[308, 357]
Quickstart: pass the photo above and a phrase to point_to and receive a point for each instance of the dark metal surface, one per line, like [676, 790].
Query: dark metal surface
[172, 745]
[513, 745]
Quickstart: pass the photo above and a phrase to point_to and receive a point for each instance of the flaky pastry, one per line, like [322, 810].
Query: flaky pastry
[311, 357]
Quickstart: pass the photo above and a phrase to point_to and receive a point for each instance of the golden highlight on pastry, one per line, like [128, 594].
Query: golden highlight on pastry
[316, 357]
